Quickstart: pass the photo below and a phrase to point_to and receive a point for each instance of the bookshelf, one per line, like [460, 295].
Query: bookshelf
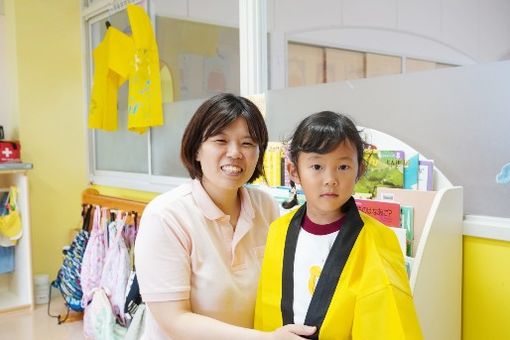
[436, 275]
[16, 288]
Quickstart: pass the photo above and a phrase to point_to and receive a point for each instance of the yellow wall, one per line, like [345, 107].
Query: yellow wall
[486, 289]
[50, 110]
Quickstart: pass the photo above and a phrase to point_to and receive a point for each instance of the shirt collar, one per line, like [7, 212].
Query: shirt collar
[211, 210]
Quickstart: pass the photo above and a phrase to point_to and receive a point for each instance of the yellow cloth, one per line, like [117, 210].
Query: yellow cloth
[112, 64]
[167, 84]
[144, 104]
[372, 299]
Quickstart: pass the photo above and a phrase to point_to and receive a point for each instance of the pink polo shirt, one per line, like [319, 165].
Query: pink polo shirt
[186, 248]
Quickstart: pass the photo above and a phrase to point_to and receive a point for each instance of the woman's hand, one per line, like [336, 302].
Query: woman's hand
[292, 332]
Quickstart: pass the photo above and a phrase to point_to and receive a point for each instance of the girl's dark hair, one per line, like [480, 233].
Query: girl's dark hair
[214, 115]
[322, 132]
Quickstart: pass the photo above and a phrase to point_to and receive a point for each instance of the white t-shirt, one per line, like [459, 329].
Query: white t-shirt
[186, 248]
[312, 249]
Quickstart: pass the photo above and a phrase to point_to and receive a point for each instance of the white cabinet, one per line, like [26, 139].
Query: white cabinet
[16, 288]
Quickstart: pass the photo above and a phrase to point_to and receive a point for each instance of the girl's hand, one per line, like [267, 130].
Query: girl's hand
[292, 332]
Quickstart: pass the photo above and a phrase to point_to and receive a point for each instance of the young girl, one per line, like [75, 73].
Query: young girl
[326, 264]
[199, 247]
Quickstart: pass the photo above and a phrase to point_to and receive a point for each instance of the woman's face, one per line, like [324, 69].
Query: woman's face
[228, 159]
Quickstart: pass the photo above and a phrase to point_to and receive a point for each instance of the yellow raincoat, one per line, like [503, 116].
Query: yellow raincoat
[144, 104]
[362, 293]
[120, 57]
[112, 64]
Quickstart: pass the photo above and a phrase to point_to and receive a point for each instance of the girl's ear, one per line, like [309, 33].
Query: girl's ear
[293, 172]
[361, 171]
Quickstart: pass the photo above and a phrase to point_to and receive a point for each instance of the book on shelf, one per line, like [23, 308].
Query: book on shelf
[384, 168]
[421, 201]
[407, 223]
[388, 213]
[285, 177]
[425, 175]
[409, 262]
[401, 238]
[411, 169]
[272, 165]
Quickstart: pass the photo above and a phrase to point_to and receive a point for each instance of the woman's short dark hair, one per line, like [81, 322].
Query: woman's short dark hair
[214, 115]
[322, 132]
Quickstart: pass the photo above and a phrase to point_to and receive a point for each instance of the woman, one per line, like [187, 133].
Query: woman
[199, 247]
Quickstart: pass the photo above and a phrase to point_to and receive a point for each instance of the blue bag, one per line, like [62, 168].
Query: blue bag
[68, 277]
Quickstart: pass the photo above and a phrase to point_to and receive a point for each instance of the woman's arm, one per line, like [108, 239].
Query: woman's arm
[177, 321]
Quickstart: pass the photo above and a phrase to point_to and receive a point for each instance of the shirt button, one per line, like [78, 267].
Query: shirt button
[224, 219]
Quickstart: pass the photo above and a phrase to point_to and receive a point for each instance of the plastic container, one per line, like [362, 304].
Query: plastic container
[41, 288]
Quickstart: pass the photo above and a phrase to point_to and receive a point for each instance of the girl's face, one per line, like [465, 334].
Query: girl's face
[327, 180]
[228, 159]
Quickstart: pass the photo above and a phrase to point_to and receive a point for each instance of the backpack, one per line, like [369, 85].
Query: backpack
[68, 277]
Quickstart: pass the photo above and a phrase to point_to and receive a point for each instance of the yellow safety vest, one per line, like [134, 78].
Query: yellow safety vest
[363, 291]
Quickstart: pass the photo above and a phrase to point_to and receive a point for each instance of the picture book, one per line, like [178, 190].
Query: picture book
[411, 169]
[285, 178]
[406, 223]
[387, 213]
[421, 201]
[401, 237]
[425, 175]
[273, 164]
[409, 261]
[385, 168]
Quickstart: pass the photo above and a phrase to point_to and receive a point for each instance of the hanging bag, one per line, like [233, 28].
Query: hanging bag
[116, 269]
[10, 220]
[100, 320]
[68, 277]
[94, 256]
[10, 230]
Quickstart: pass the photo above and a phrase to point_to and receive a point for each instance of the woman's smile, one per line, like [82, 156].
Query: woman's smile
[231, 170]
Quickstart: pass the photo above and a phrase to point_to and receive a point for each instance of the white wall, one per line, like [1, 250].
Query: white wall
[6, 104]
[452, 31]
[457, 116]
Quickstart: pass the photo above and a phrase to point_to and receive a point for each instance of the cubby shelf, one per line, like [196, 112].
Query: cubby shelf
[16, 288]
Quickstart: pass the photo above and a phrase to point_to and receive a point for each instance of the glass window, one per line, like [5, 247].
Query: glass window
[200, 59]
[310, 65]
[381, 65]
[416, 65]
[344, 65]
[120, 150]
[166, 140]
[305, 65]
[443, 65]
